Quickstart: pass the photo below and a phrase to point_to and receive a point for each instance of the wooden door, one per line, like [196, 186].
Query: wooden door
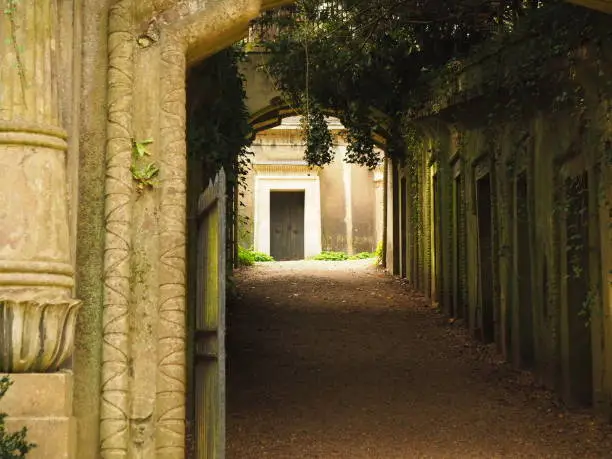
[209, 349]
[287, 225]
[578, 290]
[403, 227]
[485, 252]
[459, 264]
[395, 190]
[523, 273]
[439, 252]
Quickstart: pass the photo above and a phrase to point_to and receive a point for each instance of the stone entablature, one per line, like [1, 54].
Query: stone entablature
[285, 168]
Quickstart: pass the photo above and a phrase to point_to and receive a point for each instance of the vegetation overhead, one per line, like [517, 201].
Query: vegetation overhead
[363, 57]
[373, 62]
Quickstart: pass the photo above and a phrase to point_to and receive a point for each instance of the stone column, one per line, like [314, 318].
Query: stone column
[37, 311]
[36, 273]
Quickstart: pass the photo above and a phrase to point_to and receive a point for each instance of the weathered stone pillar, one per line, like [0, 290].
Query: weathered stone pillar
[37, 311]
[36, 273]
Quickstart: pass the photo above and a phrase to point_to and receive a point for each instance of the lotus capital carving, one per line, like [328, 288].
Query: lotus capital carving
[36, 336]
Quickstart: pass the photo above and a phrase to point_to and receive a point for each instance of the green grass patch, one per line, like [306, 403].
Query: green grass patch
[248, 257]
[331, 256]
[341, 256]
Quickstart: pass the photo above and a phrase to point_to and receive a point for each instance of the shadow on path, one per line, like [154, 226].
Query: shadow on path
[338, 360]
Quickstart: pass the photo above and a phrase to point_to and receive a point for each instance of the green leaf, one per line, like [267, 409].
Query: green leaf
[139, 148]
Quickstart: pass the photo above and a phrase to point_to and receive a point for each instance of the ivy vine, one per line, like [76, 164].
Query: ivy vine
[218, 130]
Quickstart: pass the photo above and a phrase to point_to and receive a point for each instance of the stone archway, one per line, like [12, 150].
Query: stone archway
[144, 365]
[150, 44]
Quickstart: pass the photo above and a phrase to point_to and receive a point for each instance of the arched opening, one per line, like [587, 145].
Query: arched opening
[340, 209]
[294, 212]
[156, 222]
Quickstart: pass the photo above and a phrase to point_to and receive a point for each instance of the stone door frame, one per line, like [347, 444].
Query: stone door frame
[143, 401]
[312, 209]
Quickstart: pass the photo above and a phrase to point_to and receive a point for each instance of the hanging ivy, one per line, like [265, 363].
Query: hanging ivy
[218, 129]
[360, 148]
[318, 138]
[358, 57]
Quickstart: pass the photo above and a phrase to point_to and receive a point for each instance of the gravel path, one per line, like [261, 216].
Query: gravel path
[338, 360]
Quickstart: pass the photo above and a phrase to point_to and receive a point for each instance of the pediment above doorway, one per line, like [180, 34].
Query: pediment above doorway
[285, 167]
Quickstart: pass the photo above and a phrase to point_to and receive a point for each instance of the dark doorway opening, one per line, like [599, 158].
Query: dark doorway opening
[287, 225]
[404, 226]
[396, 220]
[458, 243]
[485, 254]
[523, 274]
[577, 293]
[416, 237]
[438, 253]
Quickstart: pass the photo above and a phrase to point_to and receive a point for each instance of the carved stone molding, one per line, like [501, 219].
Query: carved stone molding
[32, 135]
[19, 274]
[36, 336]
[144, 371]
[115, 403]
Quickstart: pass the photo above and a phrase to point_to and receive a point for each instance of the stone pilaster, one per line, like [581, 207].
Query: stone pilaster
[171, 369]
[37, 313]
[114, 408]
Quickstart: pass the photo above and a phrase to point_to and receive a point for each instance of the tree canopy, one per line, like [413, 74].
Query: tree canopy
[360, 57]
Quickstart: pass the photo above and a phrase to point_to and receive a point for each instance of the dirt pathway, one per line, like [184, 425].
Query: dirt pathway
[337, 360]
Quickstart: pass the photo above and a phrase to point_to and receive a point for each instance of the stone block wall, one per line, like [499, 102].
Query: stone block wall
[507, 224]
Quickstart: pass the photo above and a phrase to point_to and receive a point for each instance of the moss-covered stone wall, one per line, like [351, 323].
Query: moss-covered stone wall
[506, 221]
